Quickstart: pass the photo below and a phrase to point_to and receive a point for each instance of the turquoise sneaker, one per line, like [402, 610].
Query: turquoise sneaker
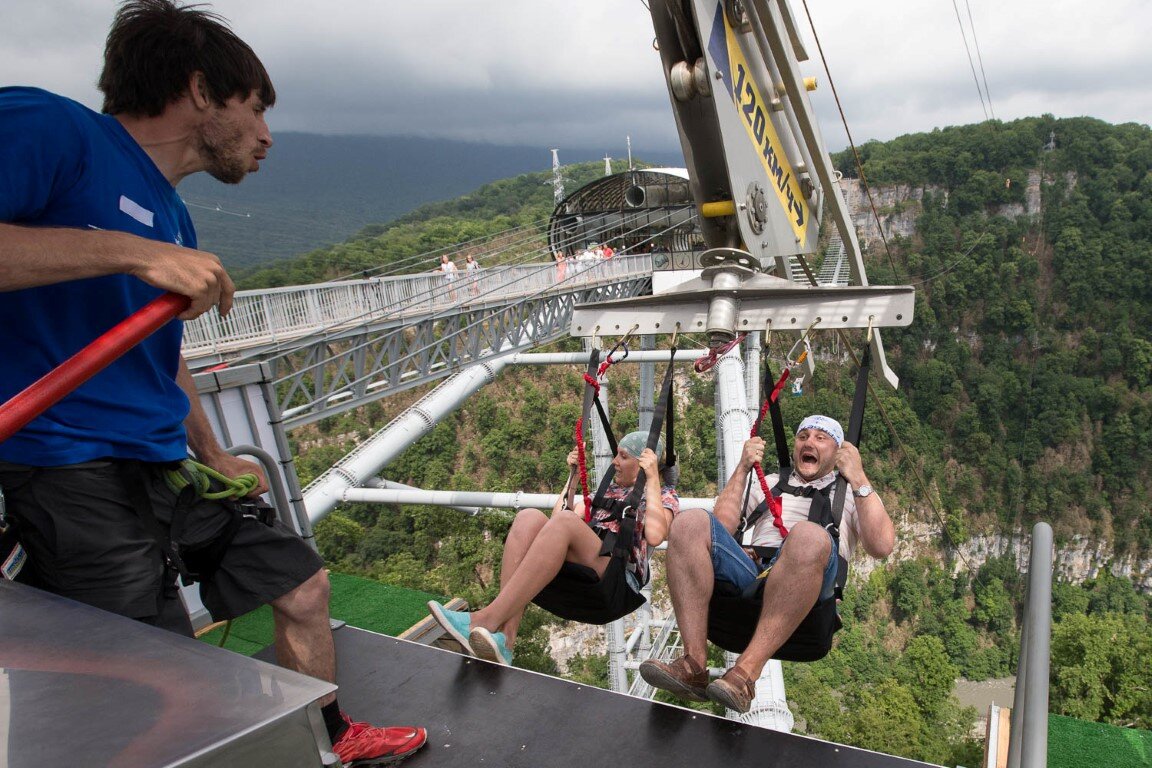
[456, 623]
[490, 646]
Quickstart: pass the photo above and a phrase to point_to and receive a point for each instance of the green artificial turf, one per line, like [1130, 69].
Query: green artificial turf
[1082, 744]
[361, 602]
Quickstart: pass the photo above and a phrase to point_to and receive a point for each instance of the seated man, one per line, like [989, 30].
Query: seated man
[702, 548]
[538, 546]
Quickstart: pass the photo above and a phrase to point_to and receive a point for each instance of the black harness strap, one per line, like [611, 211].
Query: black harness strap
[855, 432]
[669, 409]
[135, 484]
[590, 391]
[783, 454]
[624, 510]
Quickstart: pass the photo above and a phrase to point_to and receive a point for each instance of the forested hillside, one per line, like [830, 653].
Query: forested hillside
[1029, 364]
[1025, 396]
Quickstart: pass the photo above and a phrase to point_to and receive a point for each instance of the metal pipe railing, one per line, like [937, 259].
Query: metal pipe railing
[1028, 738]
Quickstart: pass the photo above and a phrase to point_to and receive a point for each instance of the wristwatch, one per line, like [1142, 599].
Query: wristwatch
[862, 491]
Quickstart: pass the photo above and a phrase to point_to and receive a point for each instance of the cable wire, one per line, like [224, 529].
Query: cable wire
[852, 144]
[971, 64]
[980, 59]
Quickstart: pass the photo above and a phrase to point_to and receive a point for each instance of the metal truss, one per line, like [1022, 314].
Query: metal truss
[373, 361]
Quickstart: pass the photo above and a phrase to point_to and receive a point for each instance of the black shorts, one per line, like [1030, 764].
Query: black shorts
[86, 541]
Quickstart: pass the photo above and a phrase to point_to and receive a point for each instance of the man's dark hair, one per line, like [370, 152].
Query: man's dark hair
[154, 47]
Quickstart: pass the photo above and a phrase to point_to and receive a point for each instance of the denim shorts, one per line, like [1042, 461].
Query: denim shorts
[731, 563]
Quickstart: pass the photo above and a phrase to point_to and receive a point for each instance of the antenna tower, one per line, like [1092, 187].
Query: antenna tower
[557, 178]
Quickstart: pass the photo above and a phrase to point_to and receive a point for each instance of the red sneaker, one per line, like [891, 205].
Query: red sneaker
[363, 744]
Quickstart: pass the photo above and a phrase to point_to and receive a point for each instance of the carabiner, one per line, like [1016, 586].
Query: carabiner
[802, 341]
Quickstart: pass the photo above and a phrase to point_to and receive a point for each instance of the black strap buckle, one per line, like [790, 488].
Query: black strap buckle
[257, 510]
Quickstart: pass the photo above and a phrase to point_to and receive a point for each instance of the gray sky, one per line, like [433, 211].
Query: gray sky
[584, 74]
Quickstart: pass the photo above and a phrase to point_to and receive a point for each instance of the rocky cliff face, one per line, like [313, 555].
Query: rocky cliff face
[899, 206]
[1076, 560]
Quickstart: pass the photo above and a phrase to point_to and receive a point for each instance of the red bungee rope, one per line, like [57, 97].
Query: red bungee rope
[583, 468]
[775, 505]
[706, 362]
[594, 382]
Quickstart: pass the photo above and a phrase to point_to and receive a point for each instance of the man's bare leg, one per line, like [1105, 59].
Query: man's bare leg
[303, 635]
[690, 579]
[790, 591]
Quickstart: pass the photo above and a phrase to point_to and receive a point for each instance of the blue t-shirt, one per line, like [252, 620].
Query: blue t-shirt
[64, 165]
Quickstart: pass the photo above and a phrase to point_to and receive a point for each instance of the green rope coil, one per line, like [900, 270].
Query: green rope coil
[199, 476]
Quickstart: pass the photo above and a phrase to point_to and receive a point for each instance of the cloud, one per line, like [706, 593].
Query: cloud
[552, 73]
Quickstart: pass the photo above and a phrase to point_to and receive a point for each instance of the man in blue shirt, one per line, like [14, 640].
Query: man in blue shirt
[91, 229]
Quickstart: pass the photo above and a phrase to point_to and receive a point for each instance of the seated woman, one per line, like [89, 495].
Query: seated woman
[538, 546]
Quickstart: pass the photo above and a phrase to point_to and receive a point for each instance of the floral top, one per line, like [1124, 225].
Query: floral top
[638, 561]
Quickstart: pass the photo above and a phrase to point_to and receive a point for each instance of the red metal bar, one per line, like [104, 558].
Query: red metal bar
[55, 385]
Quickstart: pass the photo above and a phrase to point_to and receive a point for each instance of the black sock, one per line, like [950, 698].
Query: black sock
[334, 720]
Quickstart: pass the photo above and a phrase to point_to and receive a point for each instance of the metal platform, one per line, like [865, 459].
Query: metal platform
[480, 714]
[80, 686]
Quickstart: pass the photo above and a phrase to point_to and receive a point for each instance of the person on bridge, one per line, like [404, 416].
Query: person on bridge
[472, 271]
[448, 269]
[538, 546]
[91, 229]
[703, 549]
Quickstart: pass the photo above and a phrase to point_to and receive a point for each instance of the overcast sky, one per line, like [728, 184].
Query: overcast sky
[584, 74]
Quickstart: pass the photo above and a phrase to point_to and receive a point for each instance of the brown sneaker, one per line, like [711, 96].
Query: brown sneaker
[683, 677]
[734, 690]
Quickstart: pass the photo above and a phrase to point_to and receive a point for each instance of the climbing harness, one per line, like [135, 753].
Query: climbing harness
[191, 481]
[624, 510]
[733, 616]
[577, 592]
[13, 556]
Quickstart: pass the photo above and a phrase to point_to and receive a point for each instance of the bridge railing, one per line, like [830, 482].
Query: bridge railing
[276, 314]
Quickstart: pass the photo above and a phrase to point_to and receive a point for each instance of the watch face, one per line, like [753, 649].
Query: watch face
[864, 490]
